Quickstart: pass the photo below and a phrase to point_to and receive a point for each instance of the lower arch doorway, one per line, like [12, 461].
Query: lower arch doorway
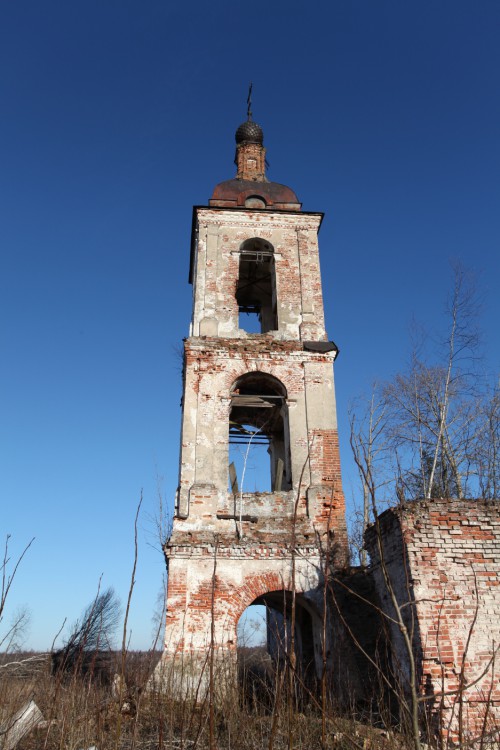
[265, 644]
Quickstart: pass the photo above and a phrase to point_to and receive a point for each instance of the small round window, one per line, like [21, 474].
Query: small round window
[255, 201]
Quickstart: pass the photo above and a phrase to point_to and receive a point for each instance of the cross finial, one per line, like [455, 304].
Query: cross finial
[249, 102]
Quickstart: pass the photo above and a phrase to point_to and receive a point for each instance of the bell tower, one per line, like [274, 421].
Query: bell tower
[258, 396]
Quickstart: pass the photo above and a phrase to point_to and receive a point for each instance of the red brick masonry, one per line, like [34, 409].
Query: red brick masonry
[444, 557]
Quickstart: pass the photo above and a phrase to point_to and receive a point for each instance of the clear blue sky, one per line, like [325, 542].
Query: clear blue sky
[117, 117]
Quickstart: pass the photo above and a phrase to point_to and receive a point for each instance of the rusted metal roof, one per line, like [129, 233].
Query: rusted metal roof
[321, 346]
[235, 192]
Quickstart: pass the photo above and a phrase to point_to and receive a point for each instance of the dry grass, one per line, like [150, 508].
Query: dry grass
[81, 712]
[84, 712]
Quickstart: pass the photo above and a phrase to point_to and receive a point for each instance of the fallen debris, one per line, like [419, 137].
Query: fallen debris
[20, 724]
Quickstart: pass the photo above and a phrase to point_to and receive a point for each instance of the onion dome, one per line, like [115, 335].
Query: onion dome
[250, 188]
[249, 132]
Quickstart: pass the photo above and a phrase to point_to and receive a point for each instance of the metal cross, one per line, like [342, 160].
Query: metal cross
[249, 102]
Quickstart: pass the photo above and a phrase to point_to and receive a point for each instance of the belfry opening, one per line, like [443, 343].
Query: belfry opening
[258, 424]
[256, 289]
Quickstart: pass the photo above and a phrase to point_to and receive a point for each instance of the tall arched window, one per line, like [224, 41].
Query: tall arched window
[259, 435]
[256, 288]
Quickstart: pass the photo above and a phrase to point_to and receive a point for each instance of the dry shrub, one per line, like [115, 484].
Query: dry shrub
[250, 713]
[80, 713]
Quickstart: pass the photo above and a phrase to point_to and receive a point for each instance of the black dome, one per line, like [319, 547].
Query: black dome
[250, 132]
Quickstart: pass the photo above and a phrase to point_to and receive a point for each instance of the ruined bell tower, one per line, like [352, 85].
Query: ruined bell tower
[260, 495]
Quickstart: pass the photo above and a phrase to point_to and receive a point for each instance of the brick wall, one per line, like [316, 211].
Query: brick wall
[294, 239]
[233, 576]
[443, 561]
[212, 367]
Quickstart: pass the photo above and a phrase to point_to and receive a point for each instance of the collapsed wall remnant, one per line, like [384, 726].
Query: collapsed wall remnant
[442, 559]
[258, 377]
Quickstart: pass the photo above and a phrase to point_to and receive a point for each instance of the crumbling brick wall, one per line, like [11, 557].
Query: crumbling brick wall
[442, 558]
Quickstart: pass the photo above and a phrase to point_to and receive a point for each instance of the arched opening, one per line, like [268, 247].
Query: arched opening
[256, 288]
[255, 201]
[259, 444]
[279, 605]
[256, 670]
[265, 642]
[252, 628]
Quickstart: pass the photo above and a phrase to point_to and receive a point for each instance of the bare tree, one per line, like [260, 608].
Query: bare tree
[487, 446]
[434, 407]
[433, 431]
[15, 635]
[369, 444]
[91, 634]
[10, 640]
